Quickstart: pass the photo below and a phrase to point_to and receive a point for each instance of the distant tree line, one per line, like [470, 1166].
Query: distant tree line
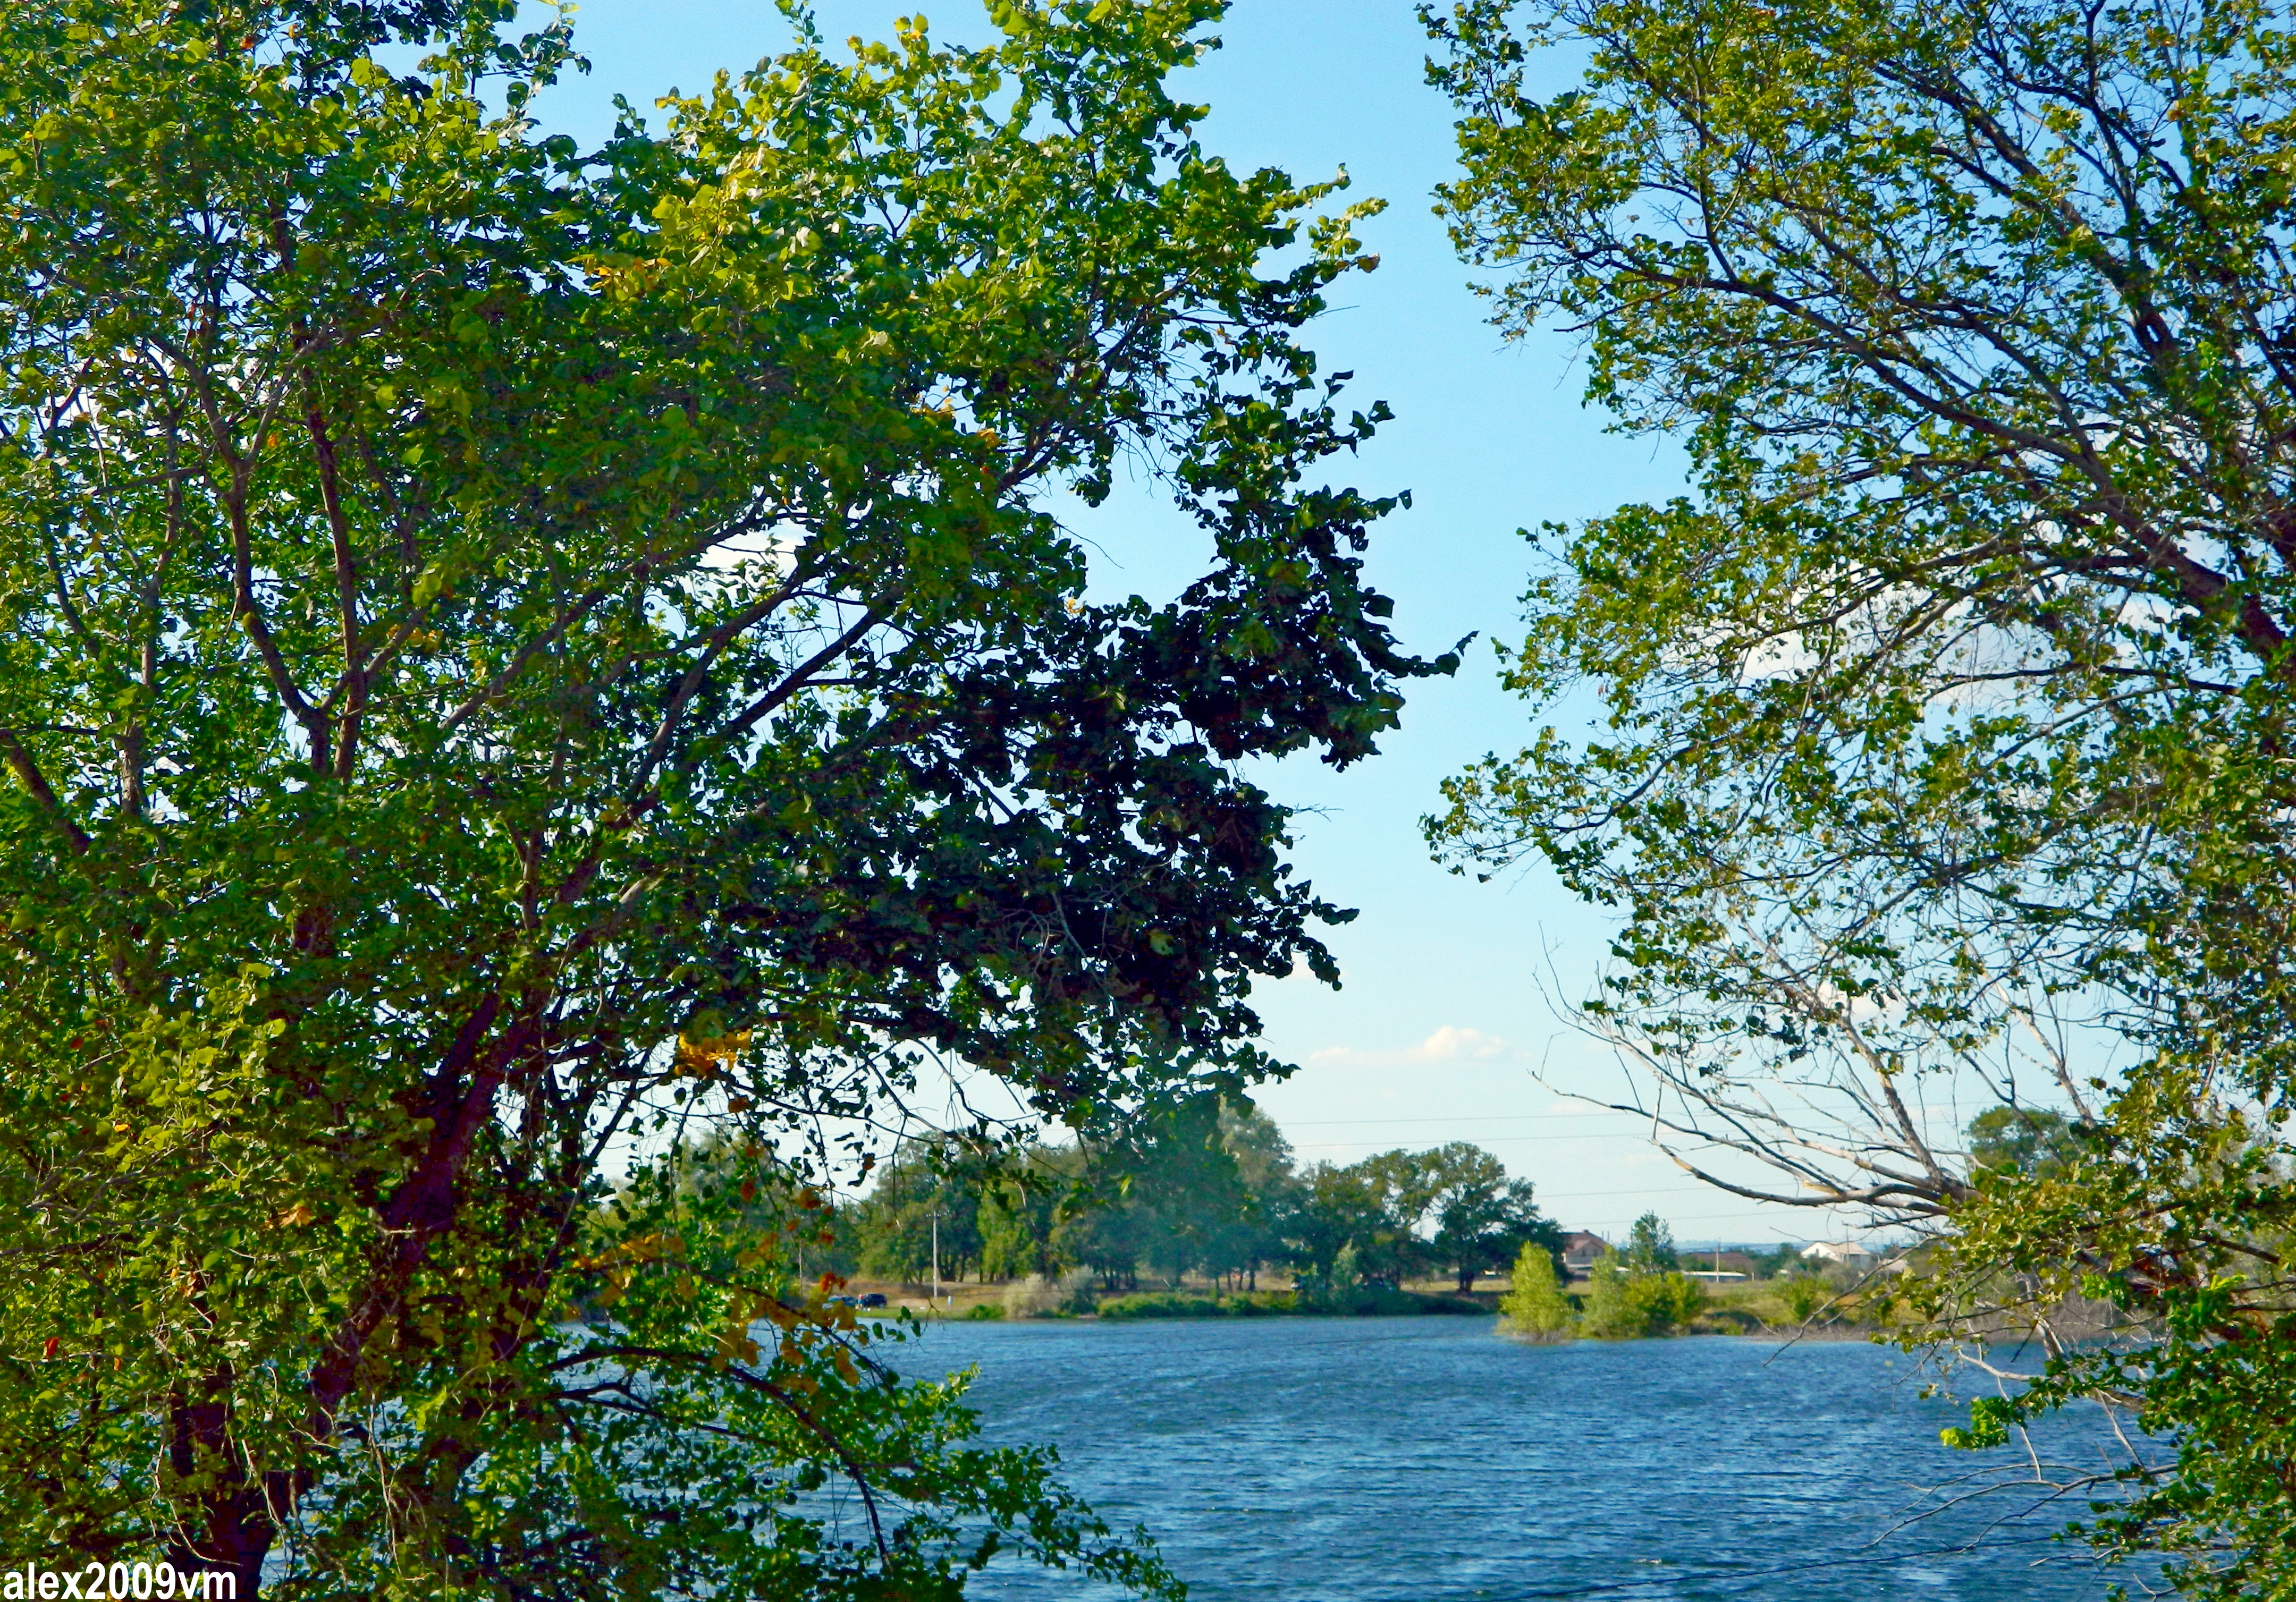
[1212, 1191]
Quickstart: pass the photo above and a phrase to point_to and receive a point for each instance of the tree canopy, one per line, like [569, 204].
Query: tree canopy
[1206, 1187]
[1939, 740]
[512, 654]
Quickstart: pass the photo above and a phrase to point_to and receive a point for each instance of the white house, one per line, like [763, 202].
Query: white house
[1849, 1254]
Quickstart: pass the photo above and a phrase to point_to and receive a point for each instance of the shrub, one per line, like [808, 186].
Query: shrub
[1608, 1314]
[1685, 1297]
[1534, 1306]
[1042, 1297]
[1164, 1304]
[1623, 1306]
[1804, 1295]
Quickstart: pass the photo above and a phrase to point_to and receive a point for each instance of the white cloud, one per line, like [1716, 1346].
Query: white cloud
[1452, 1043]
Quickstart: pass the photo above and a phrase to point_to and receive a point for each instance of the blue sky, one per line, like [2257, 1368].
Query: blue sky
[1440, 1025]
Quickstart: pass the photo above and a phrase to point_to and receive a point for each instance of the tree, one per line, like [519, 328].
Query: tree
[1785, 1258]
[1534, 1305]
[1482, 1218]
[1335, 1210]
[1805, 1293]
[1609, 1314]
[1650, 1247]
[512, 653]
[816, 1235]
[1106, 1238]
[1175, 1186]
[1940, 735]
[1263, 1164]
[1023, 1207]
[1404, 1211]
[923, 1212]
[1192, 1187]
[1393, 1190]
[2023, 1140]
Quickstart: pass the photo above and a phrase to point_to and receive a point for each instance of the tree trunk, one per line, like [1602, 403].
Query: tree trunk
[238, 1519]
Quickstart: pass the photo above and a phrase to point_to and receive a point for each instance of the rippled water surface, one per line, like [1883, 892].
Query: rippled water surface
[1428, 1460]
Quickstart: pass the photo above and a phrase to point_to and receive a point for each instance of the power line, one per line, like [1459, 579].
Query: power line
[1597, 1112]
[1596, 1195]
[1622, 1134]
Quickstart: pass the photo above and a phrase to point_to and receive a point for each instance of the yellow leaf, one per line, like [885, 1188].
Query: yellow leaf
[702, 1056]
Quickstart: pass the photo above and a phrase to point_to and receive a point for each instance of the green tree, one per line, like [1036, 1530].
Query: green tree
[1264, 1169]
[1195, 1189]
[1397, 1189]
[2023, 1140]
[1333, 1209]
[1631, 1300]
[1680, 1299]
[1181, 1184]
[1016, 1234]
[508, 651]
[925, 1202]
[1785, 1258]
[1105, 1237]
[1940, 733]
[1534, 1303]
[1373, 1208]
[1024, 1206]
[1482, 1218]
[812, 1234]
[1263, 1156]
[1404, 1212]
[1608, 1313]
[1650, 1247]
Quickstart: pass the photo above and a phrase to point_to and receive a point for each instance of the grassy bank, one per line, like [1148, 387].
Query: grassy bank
[1030, 1300]
[1367, 1302]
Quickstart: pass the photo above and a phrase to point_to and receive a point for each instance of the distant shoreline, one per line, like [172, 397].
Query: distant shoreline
[1029, 1303]
[1164, 1307]
[1780, 1336]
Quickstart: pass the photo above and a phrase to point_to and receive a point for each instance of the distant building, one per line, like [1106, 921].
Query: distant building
[1729, 1260]
[1848, 1253]
[1580, 1252]
[1717, 1265]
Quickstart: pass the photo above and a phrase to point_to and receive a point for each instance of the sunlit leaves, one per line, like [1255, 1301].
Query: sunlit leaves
[512, 653]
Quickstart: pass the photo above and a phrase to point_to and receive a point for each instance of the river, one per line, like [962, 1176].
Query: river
[1430, 1460]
